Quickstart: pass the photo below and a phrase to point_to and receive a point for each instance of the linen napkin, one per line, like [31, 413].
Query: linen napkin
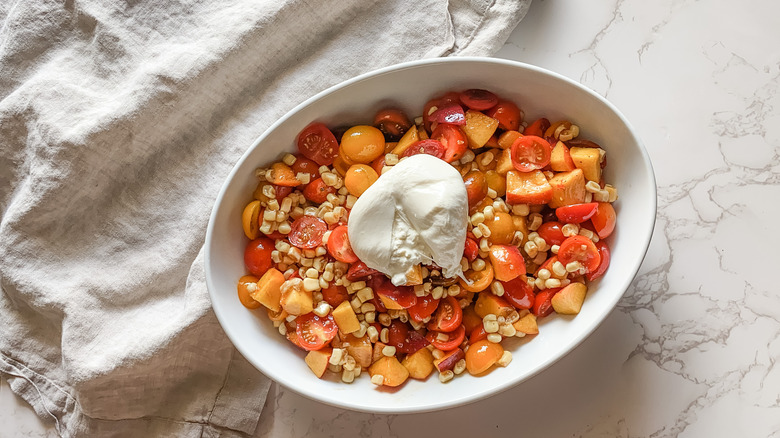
[119, 120]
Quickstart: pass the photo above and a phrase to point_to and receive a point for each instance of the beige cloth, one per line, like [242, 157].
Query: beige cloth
[119, 120]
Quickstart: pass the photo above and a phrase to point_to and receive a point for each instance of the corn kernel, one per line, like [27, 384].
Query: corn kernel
[506, 358]
[378, 379]
[497, 288]
[388, 350]
[494, 338]
[311, 284]
[446, 376]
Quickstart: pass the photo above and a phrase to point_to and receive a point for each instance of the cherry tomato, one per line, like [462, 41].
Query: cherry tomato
[429, 146]
[518, 293]
[453, 139]
[314, 332]
[543, 302]
[476, 187]
[551, 232]
[537, 128]
[576, 213]
[318, 144]
[335, 295]
[306, 232]
[604, 219]
[257, 255]
[603, 265]
[403, 339]
[359, 270]
[307, 166]
[471, 249]
[508, 115]
[447, 99]
[402, 295]
[283, 175]
[423, 308]
[292, 335]
[530, 152]
[450, 114]
[579, 249]
[580, 143]
[363, 144]
[454, 339]
[339, 247]
[477, 334]
[377, 165]
[317, 191]
[449, 315]
[243, 291]
[392, 122]
[479, 100]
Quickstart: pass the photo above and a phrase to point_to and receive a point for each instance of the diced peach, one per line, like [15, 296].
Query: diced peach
[521, 225]
[504, 163]
[413, 277]
[482, 355]
[295, 300]
[317, 360]
[269, 289]
[377, 353]
[392, 372]
[506, 139]
[567, 188]
[527, 324]
[345, 318]
[488, 303]
[359, 348]
[589, 160]
[419, 364]
[409, 137]
[479, 128]
[528, 188]
[390, 303]
[470, 319]
[560, 159]
[568, 301]
[507, 262]
[448, 361]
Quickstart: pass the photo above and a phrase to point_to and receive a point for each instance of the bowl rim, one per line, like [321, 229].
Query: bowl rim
[480, 394]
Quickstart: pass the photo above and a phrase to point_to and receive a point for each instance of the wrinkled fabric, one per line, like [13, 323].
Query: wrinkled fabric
[119, 121]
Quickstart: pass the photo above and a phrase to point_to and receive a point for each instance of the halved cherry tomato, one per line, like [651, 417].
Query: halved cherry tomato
[477, 334]
[537, 128]
[551, 232]
[576, 213]
[604, 253]
[244, 294]
[403, 339]
[479, 100]
[359, 270]
[283, 175]
[317, 191]
[518, 293]
[306, 232]
[292, 335]
[604, 219]
[450, 114]
[423, 308]
[579, 249]
[471, 249]
[339, 247]
[257, 255]
[307, 166]
[392, 122]
[317, 143]
[402, 295]
[429, 146]
[454, 339]
[480, 280]
[476, 187]
[377, 165]
[530, 152]
[448, 316]
[453, 140]
[508, 115]
[335, 295]
[314, 332]
[543, 302]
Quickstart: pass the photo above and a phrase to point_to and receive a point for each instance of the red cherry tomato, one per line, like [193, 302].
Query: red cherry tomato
[405, 340]
[402, 295]
[450, 114]
[317, 143]
[551, 232]
[518, 293]
[453, 140]
[479, 100]
[429, 146]
[537, 128]
[448, 316]
[307, 166]
[378, 164]
[282, 192]
[424, 308]
[576, 213]
[508, 115]
[454, 339]
[477, 334]
[543, 302]
[306, 232]
[317, 191]
[335, 295]
[530, 153]
[579, 249]
[257, 256]
[471, 249]
[604, 219]
[292, 335]
[392, 122]
[339, 247]
[314, 332]
[604, 253]
[359, 270]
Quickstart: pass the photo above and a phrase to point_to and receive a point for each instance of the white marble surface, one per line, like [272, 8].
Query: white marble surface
[692, 348]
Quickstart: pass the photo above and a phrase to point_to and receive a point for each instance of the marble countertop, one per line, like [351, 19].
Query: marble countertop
[691, 349]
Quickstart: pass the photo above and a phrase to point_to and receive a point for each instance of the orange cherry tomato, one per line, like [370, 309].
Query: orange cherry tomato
[508, 115]
[454, 338]
[530, 152]
[480, 280]
[318, 144]
[579, 249]
[453, 140]
[363, 144]
[257, 255]
[283, 175]
[315, 332]
[317, 191]
[482, 355]
[604, 253]
[604, 219]
[537, 128]
[479, 100]
[244, 294]
[306, 232]
[339, 247]
[423, 308]
[576, 213]
[449, 315]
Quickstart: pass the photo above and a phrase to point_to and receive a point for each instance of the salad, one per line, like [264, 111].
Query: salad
[536, 209]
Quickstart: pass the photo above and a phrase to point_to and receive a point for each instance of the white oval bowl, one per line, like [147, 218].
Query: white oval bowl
[408, 86]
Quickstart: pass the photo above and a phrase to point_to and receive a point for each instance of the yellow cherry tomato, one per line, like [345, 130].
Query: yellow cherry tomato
[362, 144]
[246, 285]
[249, 219]
[502, 228]
[359, 177]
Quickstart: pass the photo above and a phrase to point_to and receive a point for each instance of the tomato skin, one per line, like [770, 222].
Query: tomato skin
[359, 270]
[530, 153]
[429, 146]
[537, 128]
[423, 308]
[448, 317]
[317, 191]
[580, 249]
[314, 332]
[450, 114]
[543, 302]
[604, 219]
[317, 143]
[339, 247]
[508, 115]
[307, 166]
[257, 255]
[335, 295]
[576, 213]
[447, 99]
[306, 232]
[478, 99]
[518, 293]
[603, 265]
[392, 122]
[405, 340]
[471, 249]
[453, 140]
[455, 339]
[551, 232]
